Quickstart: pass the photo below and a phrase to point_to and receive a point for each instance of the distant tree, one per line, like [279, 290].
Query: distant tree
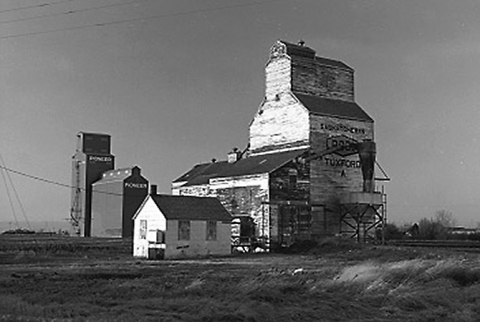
[445, 218]
[431, 229]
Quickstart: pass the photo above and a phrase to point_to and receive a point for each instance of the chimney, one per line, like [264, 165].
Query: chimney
[234, 155]
[153, 190]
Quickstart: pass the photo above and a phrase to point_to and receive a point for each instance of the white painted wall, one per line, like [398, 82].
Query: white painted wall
[197, 246]
[155, 221]
[280, 124]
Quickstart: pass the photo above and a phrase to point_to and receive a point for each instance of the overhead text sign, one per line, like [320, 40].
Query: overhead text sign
[347, 146]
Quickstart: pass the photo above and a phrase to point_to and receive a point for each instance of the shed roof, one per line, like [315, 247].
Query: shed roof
[333, 107]
[191, 208]
[115, 175]
[265, 163]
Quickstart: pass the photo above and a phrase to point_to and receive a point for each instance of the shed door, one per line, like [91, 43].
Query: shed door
[294, 224]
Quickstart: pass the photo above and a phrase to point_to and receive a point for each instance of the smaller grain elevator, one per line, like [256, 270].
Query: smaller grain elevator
[91, 159]
[115, 199]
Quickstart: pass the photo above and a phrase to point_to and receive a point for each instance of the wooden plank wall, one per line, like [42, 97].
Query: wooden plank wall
[333, 174]
[312, 78]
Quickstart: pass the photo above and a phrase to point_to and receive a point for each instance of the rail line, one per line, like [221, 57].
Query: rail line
[436, 243]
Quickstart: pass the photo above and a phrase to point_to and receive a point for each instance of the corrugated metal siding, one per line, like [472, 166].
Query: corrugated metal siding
[107, 199]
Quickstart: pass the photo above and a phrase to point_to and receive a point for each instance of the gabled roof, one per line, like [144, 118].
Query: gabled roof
[307, 52]
[333, 107]
[191, 208]
[265, 163]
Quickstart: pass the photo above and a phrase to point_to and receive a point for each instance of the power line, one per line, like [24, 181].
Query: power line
[15, 192]
[10, 199]
[41, 5]
[116, 22]
[52, 182]
[70, 12]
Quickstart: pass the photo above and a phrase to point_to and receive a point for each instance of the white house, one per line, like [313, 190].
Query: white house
[167, 226]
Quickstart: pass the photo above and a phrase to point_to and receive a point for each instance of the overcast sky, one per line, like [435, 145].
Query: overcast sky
[181, 85]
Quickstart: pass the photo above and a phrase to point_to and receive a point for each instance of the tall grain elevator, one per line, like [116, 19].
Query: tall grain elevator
[302, 176]
[91, 159]
[115, 199]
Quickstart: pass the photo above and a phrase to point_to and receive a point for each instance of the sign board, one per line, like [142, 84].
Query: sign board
[349, 145]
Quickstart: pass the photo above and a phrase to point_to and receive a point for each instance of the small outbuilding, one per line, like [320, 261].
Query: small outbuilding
[167, 226]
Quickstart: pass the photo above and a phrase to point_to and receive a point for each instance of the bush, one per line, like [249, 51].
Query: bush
[429, 229]
[392, 232]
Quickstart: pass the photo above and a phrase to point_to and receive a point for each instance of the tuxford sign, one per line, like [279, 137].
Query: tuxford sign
[348, 145]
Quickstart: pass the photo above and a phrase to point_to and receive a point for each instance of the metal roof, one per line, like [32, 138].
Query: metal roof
[265, 163]
[115, 175]
[333, 107]
[307, 52]
[191, 208]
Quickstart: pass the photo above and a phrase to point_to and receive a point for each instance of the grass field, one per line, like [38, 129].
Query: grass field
[46, 280]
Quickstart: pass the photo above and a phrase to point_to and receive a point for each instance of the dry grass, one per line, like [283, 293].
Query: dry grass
[350, 284]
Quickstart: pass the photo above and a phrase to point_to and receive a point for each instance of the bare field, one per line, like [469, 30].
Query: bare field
[336, 282]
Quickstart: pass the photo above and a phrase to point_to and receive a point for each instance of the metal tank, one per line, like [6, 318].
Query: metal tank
[115, 199]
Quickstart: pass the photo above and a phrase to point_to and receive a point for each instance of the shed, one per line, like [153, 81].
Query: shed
[167, 226]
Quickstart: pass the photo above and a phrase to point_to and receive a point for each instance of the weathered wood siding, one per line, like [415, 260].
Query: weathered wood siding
[333, 174]
[289, 187]
[277, 77]
[280, 124]
[311, 77]
[243, 195]
[291, 182]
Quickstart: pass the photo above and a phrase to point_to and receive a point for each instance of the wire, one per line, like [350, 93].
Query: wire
[387, 178]
[41, 5]
[58, 183]
[10, 199]
[115, 22]
[16, 193]
[70, 12]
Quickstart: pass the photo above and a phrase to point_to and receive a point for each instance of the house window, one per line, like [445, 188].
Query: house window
[183, 230]
[211, 230]
[292, 178]
[143, 229]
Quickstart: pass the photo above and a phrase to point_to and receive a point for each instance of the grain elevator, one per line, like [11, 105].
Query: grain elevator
[91, 159]
[104, 199]
[300, 177]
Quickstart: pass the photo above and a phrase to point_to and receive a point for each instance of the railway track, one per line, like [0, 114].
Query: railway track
[46, 242]
[436, 243]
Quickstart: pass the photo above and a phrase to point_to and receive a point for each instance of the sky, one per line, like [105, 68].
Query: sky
[177, 82]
